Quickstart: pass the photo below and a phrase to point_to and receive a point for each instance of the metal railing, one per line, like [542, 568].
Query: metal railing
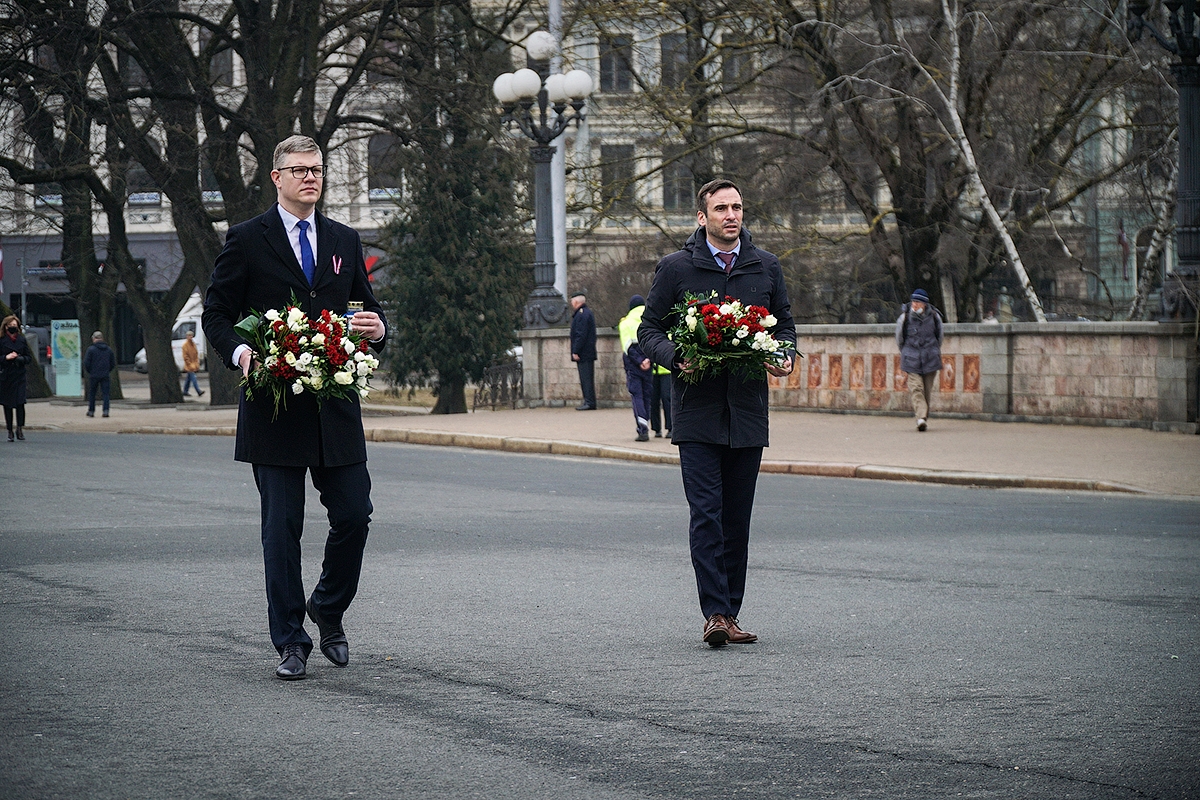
[502, 385]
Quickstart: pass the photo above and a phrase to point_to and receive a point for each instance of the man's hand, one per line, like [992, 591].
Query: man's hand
[574, 356]
[780, 370]
[684, 366]
[245, 360]
[368, 324]
[11, 355]
[645, 364]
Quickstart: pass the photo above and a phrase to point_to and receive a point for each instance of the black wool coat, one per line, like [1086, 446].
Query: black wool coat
[258, 271]
[721, 409]
[12, 370]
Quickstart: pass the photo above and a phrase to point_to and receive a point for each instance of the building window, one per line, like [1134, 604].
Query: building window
[210, 188]
[616, 66]
[45, 194]
[616, 178]
[385, 178]
[675, 71]
[678, 186]
[132, 74]
[140, 186]
[220, 62]
[737, 66]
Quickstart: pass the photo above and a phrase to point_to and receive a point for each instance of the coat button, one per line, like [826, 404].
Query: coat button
[312, 294]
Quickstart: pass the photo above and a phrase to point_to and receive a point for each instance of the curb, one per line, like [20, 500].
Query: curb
[831, 469]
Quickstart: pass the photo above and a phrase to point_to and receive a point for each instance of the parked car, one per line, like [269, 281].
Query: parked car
[188, 320]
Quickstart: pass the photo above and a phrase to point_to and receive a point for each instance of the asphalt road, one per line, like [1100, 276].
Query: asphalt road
[527, 628]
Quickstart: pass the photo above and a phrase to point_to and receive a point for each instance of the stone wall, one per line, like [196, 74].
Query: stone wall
[1142, 374]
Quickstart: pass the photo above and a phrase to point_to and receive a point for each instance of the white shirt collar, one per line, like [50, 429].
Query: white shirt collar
[290, 220]
[737, 250]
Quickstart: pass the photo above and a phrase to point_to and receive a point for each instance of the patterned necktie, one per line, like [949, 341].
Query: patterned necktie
[306, 253]
[727, 260]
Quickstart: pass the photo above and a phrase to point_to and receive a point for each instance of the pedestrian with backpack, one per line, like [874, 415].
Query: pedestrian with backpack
[919, 337]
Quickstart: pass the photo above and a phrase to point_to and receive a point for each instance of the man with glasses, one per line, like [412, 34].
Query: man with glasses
[294, 251]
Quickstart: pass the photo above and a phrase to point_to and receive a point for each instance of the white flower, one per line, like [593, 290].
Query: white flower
[734, 342]
[691, 322]
[316, 382]
[304, 360]
[294, 316]
[360, 356]
[297, 387]
[343, 378]
[363, 393]
[768, 321]
[691, 311]
[363, 368]
[349, 346]
[270, 361]
[272, 315]
[361, 382]
[742, 332]
[318, 338]
[290, 358]
[760, 336]
[725, 308]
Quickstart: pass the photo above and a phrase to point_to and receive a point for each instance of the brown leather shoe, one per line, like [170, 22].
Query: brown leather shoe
[716, 630]
[739, 636]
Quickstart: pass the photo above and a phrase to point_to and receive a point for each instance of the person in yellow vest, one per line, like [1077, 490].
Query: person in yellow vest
[637, 366]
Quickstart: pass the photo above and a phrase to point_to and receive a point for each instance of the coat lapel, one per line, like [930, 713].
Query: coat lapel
[326, 246]
[276, 236]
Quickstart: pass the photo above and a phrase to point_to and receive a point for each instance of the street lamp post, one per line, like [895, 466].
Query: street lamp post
[1180, 296]
[519, 92]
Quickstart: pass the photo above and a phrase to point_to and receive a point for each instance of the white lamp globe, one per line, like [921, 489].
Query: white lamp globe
[502, 88]
[541, 45]
[577, 84]
[555, 88]
[526, 83]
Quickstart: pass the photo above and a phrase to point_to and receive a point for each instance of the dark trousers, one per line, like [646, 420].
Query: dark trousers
[105, 386]
[587, 381]
[346, 495]
[719, 483]
[637, 381]
[660, 395]
[8, 416]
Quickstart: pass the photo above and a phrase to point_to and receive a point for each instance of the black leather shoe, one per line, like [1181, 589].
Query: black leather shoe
[333, 639]
[20, 434]
[292, 665]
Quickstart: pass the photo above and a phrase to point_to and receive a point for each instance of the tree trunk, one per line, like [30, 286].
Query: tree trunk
[451, 397]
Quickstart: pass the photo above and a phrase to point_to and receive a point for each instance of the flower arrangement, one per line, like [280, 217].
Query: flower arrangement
[296, 354]
[714, 337]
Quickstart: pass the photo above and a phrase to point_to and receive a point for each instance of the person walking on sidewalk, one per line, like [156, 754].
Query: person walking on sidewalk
[919, 337]
[720, 423]
[637, 366]
[15, 356]
[583, 349]
[191, 364]
[98, 363]
[294, 251]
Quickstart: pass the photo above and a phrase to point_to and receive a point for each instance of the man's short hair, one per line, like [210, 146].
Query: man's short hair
[710, 188]
[97, 336]
[293, 144]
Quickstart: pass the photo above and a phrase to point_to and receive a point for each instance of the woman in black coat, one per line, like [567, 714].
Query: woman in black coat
[14, 357]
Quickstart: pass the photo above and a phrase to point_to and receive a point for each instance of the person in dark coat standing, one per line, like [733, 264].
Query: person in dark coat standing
[14, 358]
[293, 251]
[637, 367]
[720, 423]
[98, 362]
[583, 349]
[919, 337]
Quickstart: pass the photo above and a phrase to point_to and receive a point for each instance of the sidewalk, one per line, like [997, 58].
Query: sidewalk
[954, 451]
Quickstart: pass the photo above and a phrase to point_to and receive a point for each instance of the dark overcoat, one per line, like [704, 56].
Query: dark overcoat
[258, 271]
[721, 409]
[583, 334]
[12, 370]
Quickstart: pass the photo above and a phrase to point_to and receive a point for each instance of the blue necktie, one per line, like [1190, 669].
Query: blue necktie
[306, 254]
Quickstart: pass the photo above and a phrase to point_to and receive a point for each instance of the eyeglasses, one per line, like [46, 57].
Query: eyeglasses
[300, 173]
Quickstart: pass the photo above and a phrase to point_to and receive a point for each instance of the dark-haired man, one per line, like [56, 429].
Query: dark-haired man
[719, 423]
